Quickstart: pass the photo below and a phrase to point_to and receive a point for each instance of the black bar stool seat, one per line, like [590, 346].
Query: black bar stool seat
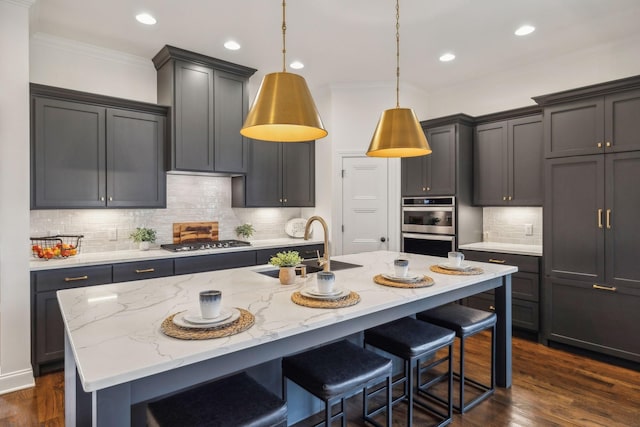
[336, 371]
[230, 402]
[413, 340]
[466, 322]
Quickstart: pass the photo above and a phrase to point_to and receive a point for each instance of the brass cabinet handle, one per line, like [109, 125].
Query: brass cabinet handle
[504, 198]
[510, 198]
[497, 261]
[146, 270]
[599, 144]
[73, 279]
[604, 288]
[608, 218]
[608, 144]
[599, 218]
[492, 308]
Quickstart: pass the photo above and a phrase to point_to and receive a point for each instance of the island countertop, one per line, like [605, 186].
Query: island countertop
[114, 330]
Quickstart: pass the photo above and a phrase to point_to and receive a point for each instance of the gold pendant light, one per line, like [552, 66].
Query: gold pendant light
[398, 133]
[283, 110]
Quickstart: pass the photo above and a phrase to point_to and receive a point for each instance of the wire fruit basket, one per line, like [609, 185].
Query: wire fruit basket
[59, 246]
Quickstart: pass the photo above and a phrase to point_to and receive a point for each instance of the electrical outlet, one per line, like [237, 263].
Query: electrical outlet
[113, 234]
[528, 229]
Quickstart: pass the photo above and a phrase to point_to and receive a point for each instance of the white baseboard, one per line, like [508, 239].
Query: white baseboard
[14, 381]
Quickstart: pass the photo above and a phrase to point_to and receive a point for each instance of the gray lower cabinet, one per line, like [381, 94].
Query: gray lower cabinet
[198, 264]
[525, 286]
[508, 162]
[87, 154]
[138, 270]
[279, 175]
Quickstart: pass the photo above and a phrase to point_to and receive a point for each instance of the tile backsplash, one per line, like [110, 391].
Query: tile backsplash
[189, 198]
[507, 224]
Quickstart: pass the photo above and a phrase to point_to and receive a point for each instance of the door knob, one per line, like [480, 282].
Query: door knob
[383, 239]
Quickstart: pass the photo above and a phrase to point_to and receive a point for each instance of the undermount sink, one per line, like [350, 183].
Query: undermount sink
[312, 267]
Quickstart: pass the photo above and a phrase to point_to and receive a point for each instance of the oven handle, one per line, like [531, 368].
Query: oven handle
[428, 237]
[427, 209]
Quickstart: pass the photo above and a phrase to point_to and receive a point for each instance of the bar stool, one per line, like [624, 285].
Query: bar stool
[466, 322]
[230, 402]
[336, 371]
[413, 341]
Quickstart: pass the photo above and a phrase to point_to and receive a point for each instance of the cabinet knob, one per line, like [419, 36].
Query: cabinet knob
[599, 144]
[424, 188]
[492, 308]
[110, 199]
[428, 188]
[608, 144]
[102, 199]
[510, 198]
[280, 200]
[504, 198]
[383, 239]
[285, 200]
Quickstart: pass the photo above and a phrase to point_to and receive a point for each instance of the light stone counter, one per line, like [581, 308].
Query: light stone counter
[97, 258]
[505, 248]
[113, 334]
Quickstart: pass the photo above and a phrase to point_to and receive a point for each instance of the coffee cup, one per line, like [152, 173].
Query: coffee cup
[210, 304]
[455, 258]
[325, 281]
[401, 267]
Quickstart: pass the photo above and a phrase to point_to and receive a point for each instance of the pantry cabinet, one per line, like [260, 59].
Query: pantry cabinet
[91, 151]
[209, 101]
[508, 157]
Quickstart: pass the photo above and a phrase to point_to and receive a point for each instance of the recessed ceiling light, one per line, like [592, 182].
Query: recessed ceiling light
[232, 45]
[524, 30]
[447, 57]
[296, 65]
[145, 18]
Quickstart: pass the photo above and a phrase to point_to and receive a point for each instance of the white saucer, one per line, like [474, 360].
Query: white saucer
[316, 292]
[196, 319]
[461, 267]
[179, 320]
[409, 278]
[309, 293]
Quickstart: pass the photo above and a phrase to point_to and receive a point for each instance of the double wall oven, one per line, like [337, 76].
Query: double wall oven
[429, 225]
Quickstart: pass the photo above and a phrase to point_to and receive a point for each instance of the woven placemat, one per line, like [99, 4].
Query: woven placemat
[471, 272]
[425, 282]
[244, 322]
[348, 300]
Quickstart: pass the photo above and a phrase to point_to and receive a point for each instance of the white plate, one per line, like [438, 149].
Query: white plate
[196, 319]
[295, 227]
[316, 292]
[340, 294]
[409, 278]
[461, 267]
[179, 320]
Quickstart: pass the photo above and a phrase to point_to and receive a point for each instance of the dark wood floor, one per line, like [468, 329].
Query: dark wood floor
[550, 388]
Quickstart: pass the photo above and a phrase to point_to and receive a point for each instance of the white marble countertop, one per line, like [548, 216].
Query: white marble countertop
[114, 330]
[505, 248]
[96, 258]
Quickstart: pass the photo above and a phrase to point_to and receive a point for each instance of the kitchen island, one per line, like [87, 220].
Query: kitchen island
[116, 356]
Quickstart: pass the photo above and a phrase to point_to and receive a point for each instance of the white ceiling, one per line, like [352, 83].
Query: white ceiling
[350, 41]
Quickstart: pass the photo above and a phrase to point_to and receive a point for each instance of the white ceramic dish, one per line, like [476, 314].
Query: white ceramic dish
[316, 292]
[179, 320]
[312, 293]
[196, 319]
[295, 227]
[461, 267]
[409, 278]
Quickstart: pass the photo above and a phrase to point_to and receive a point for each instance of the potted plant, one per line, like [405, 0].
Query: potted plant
[245, 231]
[143, 236]
[287, 261]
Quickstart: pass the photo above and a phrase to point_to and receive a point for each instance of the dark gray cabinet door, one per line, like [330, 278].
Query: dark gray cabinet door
[490, 157]
[440, 165]
[298, 174]
[135, 159]
[263, 182]
[68, 141]
[50, 337]
[525, 156]
[574, 218]
[414, 181]
[622, 121]
[622, 219]
[576, 128]
[193, 148]
[231, 107]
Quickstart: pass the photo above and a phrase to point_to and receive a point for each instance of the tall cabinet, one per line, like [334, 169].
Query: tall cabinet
[591, 244]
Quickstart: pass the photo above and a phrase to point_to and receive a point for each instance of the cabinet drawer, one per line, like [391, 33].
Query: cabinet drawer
[198, 264]
[142, 270]
[307, 252]
[524, 314]
[530, 264]
[64, 278]
[525, 286]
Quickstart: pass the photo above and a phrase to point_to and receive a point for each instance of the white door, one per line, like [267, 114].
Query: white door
[364, 204]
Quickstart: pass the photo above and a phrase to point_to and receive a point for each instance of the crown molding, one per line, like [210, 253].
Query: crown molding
[22, 3]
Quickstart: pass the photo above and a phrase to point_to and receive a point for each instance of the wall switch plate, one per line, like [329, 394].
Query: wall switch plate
[113, 234]
[528, 229]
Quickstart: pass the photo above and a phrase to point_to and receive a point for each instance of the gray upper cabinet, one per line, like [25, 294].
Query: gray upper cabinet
[602, 118]
[508, 158]
[280, 174]
[209, 101]
[86, 154]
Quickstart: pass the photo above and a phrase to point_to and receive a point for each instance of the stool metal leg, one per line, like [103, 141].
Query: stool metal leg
[461, 391]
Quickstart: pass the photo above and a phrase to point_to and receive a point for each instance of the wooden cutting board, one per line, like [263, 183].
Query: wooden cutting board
[190, 232]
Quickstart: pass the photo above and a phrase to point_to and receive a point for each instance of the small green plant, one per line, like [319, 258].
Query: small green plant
[143, 235]
[286, 259]
[245, 230]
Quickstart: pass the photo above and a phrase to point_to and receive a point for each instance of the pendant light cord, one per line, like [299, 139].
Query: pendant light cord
[397, 53]
[284, 40]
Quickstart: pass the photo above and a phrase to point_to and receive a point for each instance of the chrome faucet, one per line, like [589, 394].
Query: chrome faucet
[323, 262]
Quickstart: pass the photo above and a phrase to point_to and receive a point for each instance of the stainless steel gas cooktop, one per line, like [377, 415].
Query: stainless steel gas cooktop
[211, 244]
